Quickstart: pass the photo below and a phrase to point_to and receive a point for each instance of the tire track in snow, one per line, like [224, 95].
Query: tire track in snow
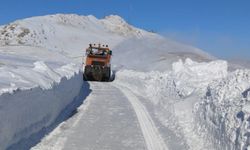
[152, 137]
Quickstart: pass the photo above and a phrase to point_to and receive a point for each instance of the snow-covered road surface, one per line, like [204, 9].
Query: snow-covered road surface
[112, 117]
[151, 135]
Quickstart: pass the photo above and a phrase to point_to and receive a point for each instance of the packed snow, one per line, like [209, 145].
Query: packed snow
[169, 95]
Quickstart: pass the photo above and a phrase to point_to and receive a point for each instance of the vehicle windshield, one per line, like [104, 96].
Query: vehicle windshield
[96, 51]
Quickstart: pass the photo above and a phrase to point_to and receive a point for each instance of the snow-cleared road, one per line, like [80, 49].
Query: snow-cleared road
[151, 135]
[112, 118]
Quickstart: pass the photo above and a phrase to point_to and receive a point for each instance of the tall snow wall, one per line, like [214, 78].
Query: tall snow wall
[224, 113]
[26, 115]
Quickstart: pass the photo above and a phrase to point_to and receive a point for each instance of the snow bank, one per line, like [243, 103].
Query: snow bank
[21, 78]
[29, 110]
[184, 79]
[224, 113]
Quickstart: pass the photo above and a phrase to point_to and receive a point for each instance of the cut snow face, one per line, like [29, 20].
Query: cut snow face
[224, 112]
[27, 67]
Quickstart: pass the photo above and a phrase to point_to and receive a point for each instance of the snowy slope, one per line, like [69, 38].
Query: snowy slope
[67, 34]
[70, 35]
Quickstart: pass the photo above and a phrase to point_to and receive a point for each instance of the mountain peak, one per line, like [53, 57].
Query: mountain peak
[115, 19]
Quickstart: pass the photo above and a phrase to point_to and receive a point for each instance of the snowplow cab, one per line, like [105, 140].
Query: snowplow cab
[97, 64]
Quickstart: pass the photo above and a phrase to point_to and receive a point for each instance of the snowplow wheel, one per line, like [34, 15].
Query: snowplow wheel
[107, 74]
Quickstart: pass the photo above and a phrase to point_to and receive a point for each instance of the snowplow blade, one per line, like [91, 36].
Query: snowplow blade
[97, 73]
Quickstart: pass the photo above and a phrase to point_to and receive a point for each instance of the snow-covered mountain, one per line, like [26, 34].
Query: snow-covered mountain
[70, 35]
[193, 96]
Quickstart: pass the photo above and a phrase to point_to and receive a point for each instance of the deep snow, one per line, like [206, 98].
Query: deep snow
[195, 100]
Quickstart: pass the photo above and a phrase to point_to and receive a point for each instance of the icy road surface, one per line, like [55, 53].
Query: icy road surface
[112, 117]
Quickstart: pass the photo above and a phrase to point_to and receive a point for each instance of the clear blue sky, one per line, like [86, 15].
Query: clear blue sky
[221, 27]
